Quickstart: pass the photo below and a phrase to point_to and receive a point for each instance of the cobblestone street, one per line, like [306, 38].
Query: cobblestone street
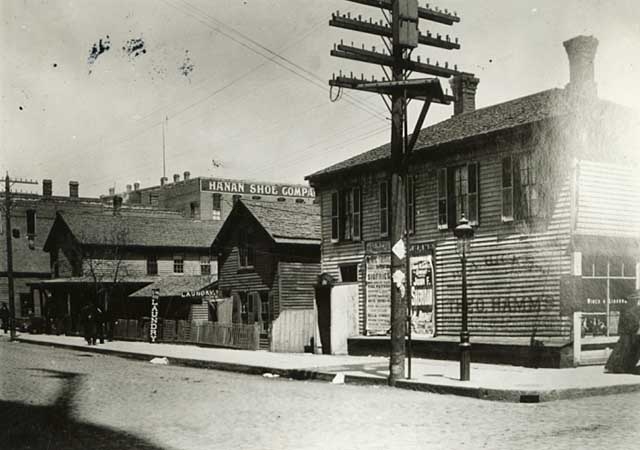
[57, 399]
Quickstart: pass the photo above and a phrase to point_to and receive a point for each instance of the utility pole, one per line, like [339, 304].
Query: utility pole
[401, 36]
[9, 232]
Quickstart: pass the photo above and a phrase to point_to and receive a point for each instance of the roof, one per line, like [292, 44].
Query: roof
[87, 279]
[285, 223]
[176, 285]
[502, 116]
[138, 231]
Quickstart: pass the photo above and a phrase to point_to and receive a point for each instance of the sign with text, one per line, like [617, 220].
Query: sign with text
[421, 270]
[378, 287]
[250, 188]
[153, 327]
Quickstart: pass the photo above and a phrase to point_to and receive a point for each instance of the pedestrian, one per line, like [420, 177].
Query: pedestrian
[88, 319]
[5, 315]
[626, 353]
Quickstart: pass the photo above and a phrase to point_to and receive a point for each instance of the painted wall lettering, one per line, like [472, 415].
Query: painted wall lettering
[236, 187]
[153, 327]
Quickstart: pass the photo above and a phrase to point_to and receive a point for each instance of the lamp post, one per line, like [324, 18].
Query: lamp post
[464, 233]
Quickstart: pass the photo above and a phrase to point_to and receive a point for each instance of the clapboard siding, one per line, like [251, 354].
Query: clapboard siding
[297, 282]
[514, 269]
[607, 200]
[293, 330]
[234, 278]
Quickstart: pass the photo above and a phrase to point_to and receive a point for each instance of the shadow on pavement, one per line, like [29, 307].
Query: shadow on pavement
[25, 426]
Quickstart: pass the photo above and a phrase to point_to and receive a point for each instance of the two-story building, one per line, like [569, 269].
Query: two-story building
[268, 263]
[549, 183]
[103, 258]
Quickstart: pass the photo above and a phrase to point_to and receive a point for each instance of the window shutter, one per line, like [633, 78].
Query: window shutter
[411, 204]
[357, 214]
[335, 217]
[473, 199]
[519, 211]
[507, 189]
[384, 208]
[442, 198]
[452, 220]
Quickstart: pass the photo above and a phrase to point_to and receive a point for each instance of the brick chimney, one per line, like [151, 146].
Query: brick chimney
[187, 175]
[47, 188]
[176, 177]
[128, 188]
[464, 88]
[112, 191]
[163, 181]
[136, 186]
[581, 51]
[74, 187]
[117, 205]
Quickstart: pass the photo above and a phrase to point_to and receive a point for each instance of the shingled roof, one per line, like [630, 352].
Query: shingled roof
[176, 285]
[296, 223]
[138, 231]
[501, 116]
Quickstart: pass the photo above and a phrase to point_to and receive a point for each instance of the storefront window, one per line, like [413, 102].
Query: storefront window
[607, 282]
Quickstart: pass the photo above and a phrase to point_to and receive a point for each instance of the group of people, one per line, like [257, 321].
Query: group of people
[92, 320]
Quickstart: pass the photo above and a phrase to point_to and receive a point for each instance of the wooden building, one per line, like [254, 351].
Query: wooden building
[32, 216]
[550, 185]
[268, 262]
[103, 258]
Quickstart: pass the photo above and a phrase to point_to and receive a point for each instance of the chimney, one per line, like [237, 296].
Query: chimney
[176, 177]
[136, 186]
[73, 189]
[581, 51]
[47, 188]
[128, 188]
[112, 191]
[187, 175]
[163, 181]
[464, 88]
[117, 205]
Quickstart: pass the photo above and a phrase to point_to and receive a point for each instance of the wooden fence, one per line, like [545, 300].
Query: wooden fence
[232, 335]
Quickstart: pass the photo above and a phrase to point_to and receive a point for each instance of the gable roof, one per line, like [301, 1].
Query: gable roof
[502, 116]
[285, 223]
[137, 231]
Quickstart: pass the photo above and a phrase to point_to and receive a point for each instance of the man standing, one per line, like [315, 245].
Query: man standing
[4, 315]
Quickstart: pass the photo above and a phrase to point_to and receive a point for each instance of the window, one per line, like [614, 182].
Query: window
[178, 264]
[411, 204]
[266, 300]
[383, 208]
[194, 209]
[457, 195]
[216, 207]
[205, 265]
[152, 265]
[31, 223]
[346, 215]
[520, 191]
[246, 250]
[348, 273]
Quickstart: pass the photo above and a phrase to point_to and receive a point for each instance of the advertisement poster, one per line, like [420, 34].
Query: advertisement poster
[378, 288]
[421, 268]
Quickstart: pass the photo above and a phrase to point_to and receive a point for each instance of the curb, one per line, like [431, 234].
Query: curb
[504, 395]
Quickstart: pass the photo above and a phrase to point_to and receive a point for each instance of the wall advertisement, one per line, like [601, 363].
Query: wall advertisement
[422, 299]
[378, 287]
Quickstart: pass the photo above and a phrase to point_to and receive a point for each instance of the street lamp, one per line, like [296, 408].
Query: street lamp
[464, 233]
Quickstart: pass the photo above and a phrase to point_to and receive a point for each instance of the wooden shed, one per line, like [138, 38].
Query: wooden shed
[268, 261]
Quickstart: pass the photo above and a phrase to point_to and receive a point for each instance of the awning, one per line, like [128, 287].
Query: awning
[87, 280]
[184, 286]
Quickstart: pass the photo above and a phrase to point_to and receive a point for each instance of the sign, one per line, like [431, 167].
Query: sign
[153, 327]
[594, 294]
[400, 250]
[378, 287]
[421, 272]
[201, 293]
[241, 187]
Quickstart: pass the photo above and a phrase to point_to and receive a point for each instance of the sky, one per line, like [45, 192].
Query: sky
[239, 87]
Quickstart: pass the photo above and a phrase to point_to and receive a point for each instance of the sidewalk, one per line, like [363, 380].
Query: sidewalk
[488, 381]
